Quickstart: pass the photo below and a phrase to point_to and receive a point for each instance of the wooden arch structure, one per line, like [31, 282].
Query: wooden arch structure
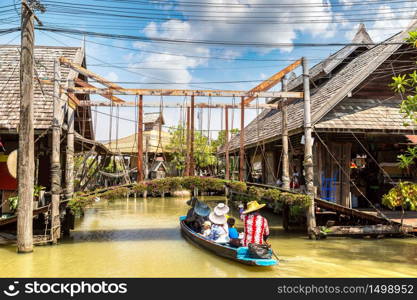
[112, 89]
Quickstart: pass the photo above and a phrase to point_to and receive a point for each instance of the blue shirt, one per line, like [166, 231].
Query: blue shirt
[233, 234]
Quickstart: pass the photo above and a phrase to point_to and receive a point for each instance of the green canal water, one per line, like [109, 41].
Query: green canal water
[141, 238]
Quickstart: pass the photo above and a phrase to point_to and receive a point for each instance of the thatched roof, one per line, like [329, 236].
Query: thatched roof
[128, 144]
[44, 67]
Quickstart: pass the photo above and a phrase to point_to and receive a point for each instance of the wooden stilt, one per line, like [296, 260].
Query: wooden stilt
[146, 175]
[187, 160]
[55, 157]
[69, 171]
[242, 140]
[285, 162]
[226, 137]
[192, 123]
[308, 151]
[140, 140]
[26, 163]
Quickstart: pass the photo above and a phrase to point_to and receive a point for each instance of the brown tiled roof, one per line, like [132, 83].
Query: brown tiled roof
[267, 126]
[326, 66]
[44, 66]
[356, 114]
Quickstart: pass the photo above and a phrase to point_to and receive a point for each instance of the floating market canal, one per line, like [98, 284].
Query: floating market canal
[141, 238]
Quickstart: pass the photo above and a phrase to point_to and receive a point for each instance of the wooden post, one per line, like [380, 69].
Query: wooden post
[26, 160]
[140, 140]
[187, 160]
[226, 136]
[192, 121]
[308, 152]
[55, 157]
[285, 162]
[69, 171]
[242, 140]
[146, 175]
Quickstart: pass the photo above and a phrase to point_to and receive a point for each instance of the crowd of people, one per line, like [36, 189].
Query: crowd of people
[218, 226]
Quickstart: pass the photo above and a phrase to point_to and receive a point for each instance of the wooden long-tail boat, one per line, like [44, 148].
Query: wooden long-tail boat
[237, 254]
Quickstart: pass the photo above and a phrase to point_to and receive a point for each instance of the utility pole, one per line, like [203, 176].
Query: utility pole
[187, 159]
[285, 162]
[55, 157]
[226, 142]
[140, 140]
[192, 122]
[26, 159]
[242, 140]
[308, 152]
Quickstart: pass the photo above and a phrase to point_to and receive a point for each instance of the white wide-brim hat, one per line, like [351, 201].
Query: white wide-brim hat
[216, 219]
[221, 209]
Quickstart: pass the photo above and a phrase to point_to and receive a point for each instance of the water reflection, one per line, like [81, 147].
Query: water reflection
[141, 238]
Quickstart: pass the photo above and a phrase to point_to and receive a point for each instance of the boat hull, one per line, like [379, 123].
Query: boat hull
[236, 254]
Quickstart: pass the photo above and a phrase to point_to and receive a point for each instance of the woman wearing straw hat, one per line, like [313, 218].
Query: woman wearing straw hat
[256, 226]
[219, 228]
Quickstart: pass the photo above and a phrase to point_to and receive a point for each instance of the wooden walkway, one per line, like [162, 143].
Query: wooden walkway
[391, 217]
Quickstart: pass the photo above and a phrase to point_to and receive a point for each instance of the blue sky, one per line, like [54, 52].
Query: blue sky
[180, 65]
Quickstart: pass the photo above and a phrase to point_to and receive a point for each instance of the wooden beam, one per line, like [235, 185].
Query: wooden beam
[242, 140]
[177, 105]
[226, 119]
[271, 81]
[111, 97]
[187, 160]
[172, 92]
[66, 62]
[140, 140]
[192, 124]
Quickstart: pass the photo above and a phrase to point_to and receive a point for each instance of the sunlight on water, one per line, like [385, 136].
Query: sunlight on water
[141, 238]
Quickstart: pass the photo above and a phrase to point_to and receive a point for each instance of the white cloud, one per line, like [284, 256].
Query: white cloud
[238, 24]
[112, 76]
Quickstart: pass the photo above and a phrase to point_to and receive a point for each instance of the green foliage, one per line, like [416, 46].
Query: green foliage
[116, 193]
[204, 152]
[139, 188]
[37, 189]
[13, 202]
[237, 186]
[275, 195]
[412, 38]
[403, 195]
[406, 84]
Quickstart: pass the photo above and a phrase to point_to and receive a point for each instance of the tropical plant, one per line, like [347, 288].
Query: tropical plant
[204, 153]
[406, 85]
[13, 203]
[404, 195]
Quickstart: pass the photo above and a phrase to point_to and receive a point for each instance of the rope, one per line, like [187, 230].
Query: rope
[351, 181]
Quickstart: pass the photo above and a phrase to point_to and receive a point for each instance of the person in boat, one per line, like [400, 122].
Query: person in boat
[219, 229]
[206, 229]
[197, 215]
[256, 226]
[233, 233]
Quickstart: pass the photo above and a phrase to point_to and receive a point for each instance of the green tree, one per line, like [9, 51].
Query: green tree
[406, 85]
[404, 195]
[204, 152]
